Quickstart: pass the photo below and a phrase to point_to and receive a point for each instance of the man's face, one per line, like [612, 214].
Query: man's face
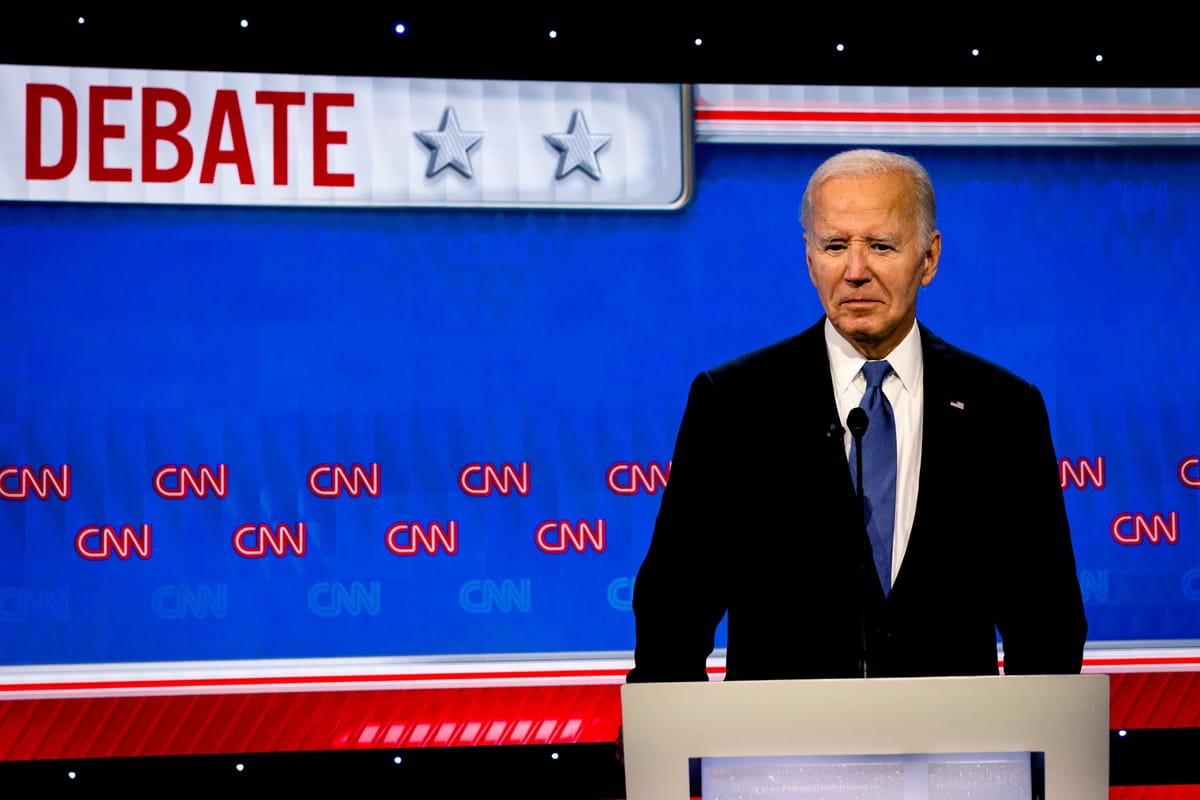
[866, 258]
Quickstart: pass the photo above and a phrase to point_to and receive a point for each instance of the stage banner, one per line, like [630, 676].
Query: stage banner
[136, 136]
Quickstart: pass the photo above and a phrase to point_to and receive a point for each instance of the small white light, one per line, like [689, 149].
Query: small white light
[698, 41]
[245, 23]
[400, 28]
[840, 47]
[554, 756]
[80, 20]
[1122, 733]
[553, 34]
[240, 767]
[1099, 58]
[71, 774]
[975, 51]
[397, 760]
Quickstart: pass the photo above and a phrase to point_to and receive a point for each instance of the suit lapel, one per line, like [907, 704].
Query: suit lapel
[815, 434]
[944, 415]
[812, 403]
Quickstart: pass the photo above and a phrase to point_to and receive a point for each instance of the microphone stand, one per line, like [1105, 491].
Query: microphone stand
[857, 422]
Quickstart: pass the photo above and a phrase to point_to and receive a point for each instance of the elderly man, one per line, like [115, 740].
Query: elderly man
[762, 520]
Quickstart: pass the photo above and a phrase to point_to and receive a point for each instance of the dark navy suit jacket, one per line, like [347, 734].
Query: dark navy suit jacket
[759, 521]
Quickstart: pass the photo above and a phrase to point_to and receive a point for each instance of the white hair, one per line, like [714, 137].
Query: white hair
[868, 163]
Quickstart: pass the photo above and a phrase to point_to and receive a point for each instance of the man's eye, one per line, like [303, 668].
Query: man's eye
[880, 247]
[835, 248]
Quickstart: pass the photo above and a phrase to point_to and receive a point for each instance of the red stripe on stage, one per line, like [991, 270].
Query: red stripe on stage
[1154, 700]
[964, 117]
[97, 727]
[1179, 792]
[1157, 661]
[464, 677]
[297, 680]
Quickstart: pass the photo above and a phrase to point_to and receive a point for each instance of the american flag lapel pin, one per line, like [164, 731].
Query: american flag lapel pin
[957, 404]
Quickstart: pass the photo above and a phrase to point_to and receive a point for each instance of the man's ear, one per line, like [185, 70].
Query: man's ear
[808, 261]
[932, 255]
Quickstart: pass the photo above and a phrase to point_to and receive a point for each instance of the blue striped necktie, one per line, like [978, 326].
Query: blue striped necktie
[879, 470]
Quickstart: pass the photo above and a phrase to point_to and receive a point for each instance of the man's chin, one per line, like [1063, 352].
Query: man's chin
[857, 330]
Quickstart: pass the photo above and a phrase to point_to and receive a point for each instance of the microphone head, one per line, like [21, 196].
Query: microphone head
[857, 421]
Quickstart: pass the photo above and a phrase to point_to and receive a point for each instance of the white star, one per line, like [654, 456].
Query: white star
[449, 145]
[578, 148]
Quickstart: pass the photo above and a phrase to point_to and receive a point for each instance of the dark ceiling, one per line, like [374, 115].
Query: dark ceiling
[739, 43]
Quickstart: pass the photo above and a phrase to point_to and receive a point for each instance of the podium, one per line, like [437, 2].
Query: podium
[903, 738]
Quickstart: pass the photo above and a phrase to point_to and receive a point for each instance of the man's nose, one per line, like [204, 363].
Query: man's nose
[856, 265]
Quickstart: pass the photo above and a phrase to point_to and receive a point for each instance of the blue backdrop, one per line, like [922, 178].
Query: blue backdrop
[274, 340]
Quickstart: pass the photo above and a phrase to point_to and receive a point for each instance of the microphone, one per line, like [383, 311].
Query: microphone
[857, 421]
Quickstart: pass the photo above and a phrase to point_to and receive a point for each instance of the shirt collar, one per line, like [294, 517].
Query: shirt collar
[845, 363]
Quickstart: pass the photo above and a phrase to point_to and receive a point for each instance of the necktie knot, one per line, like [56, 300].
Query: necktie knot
[875, 372]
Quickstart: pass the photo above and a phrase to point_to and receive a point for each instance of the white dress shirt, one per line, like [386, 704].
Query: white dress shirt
[904, 388]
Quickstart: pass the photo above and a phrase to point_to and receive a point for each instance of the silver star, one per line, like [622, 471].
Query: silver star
[450, 145]
[578, 148]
